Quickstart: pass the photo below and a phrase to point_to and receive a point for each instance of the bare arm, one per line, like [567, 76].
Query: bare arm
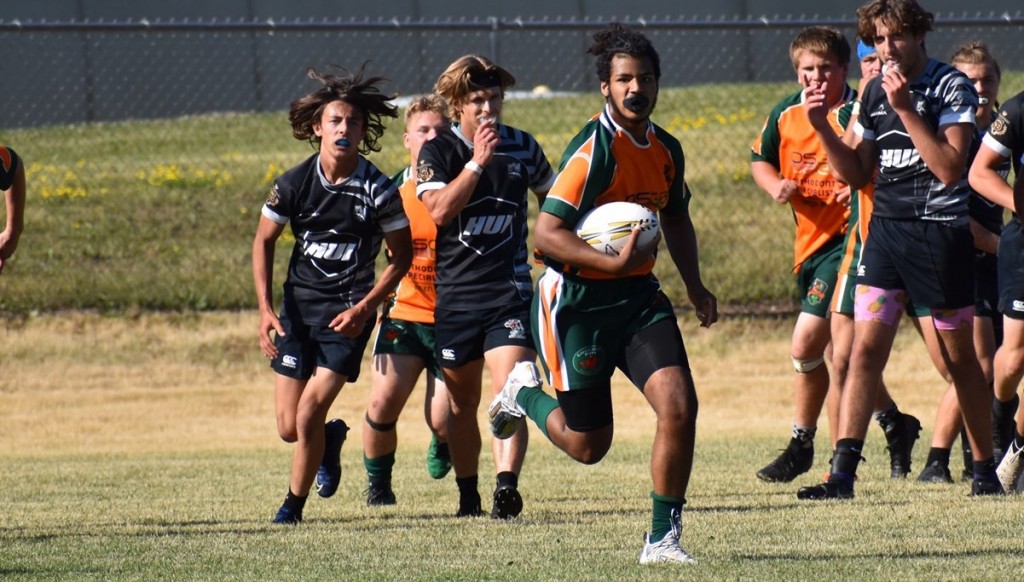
[984, 239]
[768, 179]
[351, 321]
[558, 240]
[986, 181]
[15, 202]
[945, 151]
[681, 241]
[263, 244]
[852, 159]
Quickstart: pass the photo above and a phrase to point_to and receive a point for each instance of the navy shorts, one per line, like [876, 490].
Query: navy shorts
[932, 261]
[305, 347]
[464, 336]
[1011, 270]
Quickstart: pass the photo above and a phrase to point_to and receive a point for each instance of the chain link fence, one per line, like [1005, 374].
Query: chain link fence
[141, 134]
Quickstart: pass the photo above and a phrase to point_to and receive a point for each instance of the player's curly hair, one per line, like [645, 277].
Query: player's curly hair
[354, 89]
[619, 40]
[975, 53]
[467, 74]
[899, 16]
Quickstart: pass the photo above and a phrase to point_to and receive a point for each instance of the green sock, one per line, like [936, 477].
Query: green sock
[661, 515]
[538, 405]
[378, 470]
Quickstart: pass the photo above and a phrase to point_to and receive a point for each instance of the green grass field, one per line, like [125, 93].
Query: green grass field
[144, 448]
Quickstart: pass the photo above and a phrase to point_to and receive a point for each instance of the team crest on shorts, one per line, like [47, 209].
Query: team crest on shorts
[589, 360]
[515, 329]
[391, 332]
[817, 292]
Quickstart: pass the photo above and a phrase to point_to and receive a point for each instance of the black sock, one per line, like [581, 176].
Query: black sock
[985, 470]
[467, 485]
[938, 455]
[965, 445]
[846, 458]
[508, 479]
[1004, 410]
[294, 502]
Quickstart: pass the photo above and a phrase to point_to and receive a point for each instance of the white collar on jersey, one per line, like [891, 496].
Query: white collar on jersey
[606, 119]
[327, 183]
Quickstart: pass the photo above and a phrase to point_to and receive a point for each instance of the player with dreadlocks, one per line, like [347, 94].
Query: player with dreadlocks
[340, 207]
[594, 312]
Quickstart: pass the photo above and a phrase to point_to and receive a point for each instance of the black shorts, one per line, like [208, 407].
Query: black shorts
[986, 285]
[650, 349]
[1011, 270]
[932, 261]
[464, 336]
[304, 348]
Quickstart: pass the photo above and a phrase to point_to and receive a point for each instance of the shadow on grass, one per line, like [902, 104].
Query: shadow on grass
[835, 557]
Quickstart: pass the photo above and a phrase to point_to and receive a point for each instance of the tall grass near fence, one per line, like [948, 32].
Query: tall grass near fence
[160, 214]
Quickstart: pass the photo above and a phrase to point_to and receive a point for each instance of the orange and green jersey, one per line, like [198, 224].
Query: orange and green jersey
[603, 164]
[788, 142]
[861, 202]
[414, 298]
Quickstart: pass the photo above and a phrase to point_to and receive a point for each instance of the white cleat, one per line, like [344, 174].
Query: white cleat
[1010, 468]
[668, 550]
[505, 413]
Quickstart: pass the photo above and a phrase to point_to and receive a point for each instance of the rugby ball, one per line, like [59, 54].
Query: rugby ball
[607, 227]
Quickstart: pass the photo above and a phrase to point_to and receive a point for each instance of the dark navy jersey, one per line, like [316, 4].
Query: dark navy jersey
[985, 212]
[905, 189]
[482, 259]
[8, 165]
[338, 230]
[1006, 134]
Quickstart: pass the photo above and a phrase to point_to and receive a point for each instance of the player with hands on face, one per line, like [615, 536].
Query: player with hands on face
[790, 165]
[340, 207]
[474, 178]
[914, 147]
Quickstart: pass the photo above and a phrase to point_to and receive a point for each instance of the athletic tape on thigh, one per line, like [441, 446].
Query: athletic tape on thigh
[880, 305]
[807, 366]
[380, 426]
[950, 319]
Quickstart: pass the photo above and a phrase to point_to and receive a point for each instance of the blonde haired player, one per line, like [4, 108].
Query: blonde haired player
[404, 347]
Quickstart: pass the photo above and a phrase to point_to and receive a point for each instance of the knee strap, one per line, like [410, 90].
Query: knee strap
[380, 426]
[807, 366]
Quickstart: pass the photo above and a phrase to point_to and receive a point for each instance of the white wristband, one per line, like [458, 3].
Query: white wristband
[474, 167]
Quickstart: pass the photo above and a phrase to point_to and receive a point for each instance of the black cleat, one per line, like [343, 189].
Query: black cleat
[794, 461]
[981, 487]
[380, 495]
[508, 503]
[469, 506]
[935, 473]
[826, 490]
[900, 437]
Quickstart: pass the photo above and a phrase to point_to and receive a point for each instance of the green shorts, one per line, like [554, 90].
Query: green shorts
[816, 279]
[581, 326]
[396, 336]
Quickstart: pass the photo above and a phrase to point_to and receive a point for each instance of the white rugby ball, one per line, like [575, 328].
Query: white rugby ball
[607, 227]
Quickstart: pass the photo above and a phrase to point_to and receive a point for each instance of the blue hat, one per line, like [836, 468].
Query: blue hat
[864, 50]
